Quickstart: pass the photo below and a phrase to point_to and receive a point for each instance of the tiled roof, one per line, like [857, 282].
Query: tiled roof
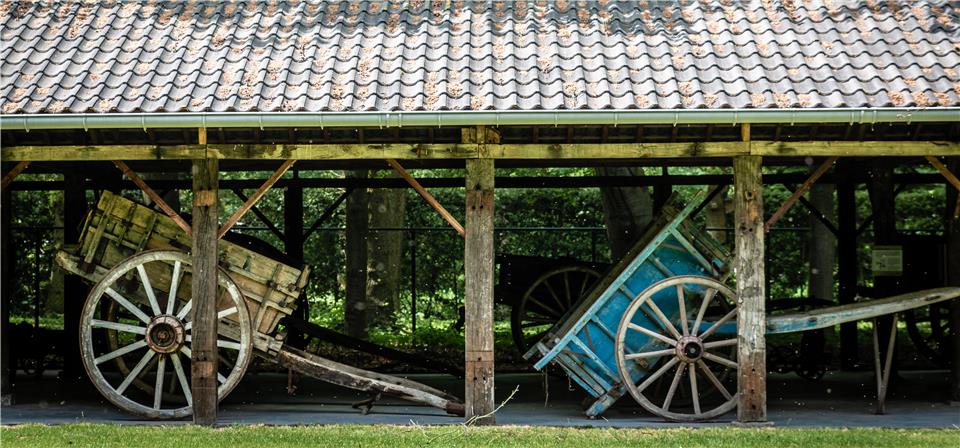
[169, 56]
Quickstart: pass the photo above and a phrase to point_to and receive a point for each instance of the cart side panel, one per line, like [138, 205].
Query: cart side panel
[119, 228]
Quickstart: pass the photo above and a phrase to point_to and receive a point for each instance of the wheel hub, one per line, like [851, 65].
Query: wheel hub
[690, 349]
[165, 334]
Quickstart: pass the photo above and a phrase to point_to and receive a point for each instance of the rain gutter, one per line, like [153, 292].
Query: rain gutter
[28, 122]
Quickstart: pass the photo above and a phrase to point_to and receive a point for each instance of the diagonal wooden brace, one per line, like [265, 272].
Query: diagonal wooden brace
[154, 196]
[17, 169]
[427, 196]
[252, 200]
[950, 178]
[796, 194]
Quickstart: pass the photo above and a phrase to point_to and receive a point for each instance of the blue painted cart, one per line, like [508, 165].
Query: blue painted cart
[629, 334]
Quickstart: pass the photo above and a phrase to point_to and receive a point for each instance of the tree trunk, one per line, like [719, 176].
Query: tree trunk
[355, 305]
[627, 211]
[823, 244]
[385, 251]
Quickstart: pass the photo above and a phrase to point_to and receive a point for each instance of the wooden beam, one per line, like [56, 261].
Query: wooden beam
[798, 193]
[427, 196]
[847, 259]
[156, 198]
[749, 268]
[203, 371]
[478, 289]
[6, 298]
[261, 216]
[950, 178]
[407, 151]
[953, 279]
[327, 212]
[9, 177]
[74, 288]
[252, 200]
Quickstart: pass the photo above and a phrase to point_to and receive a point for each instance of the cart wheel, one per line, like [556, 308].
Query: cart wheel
[547, 299]
[152, 330]
[684, 342]
[929, 329]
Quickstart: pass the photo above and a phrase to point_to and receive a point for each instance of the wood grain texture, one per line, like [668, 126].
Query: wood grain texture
[478, 301]
[203, 370]
[153, 196]
[490, 149]
[434, 203]
[252, 200]
[749, 269]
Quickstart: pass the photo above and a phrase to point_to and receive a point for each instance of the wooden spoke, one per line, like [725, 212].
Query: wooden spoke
[135, 371]
[714, 380]
[184, 384]
[148, 288]
[683, 310]
[120, 351]
[652, 354]
[673, 386]
[228, 344]
[707, 298]
[185, 310]
[723, 343]
[694, 394]
[220, 378]
[663, 319]
[718, 323]
[719, 360]
[133, 309]
[553, 293]
[220, 315]
[158, 384]
[551, 311]
[566, 287]
[174, 286]
[652, 334]
[653, 377]
[536, 323]
[126, 328]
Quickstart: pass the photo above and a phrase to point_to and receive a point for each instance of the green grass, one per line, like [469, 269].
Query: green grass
[445, 436]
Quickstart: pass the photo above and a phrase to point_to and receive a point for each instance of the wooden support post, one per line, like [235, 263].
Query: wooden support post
[75, 290]
[785, 207]
[252, 200]
[479, 269]
[749, 269]
[6, 394]
[427, 196]
[883, 204]
[204, 291]
[293, 244]
[847, 263]
[953, 279]
[355, 315]
[169, 211]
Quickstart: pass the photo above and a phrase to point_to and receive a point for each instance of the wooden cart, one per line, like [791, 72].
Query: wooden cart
[661, 326]
[136, 324]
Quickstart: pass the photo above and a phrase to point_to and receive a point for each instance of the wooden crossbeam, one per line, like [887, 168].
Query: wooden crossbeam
[797, 194]
[252, 200]
[169, 211]
[427, 197]
[526, 151]
[950, 178]
[256, 211]
[9, 177]
[327, 212]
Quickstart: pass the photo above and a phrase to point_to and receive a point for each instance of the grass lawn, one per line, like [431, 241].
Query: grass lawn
[457, 436]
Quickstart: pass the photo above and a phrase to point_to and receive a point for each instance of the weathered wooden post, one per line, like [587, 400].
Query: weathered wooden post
[355, 313]
[749, 270]
[293, 243]
[478, 267]
[203, 372]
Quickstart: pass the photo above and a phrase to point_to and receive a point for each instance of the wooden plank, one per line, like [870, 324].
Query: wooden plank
[156, 198]
[367, 381]
[6, 296]
[404, 151]
[14, 172]
[749, 268]
[434, 203]
[852, 312]
[798, 193]
[203, 371]
[478, 289]
[252, 200]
